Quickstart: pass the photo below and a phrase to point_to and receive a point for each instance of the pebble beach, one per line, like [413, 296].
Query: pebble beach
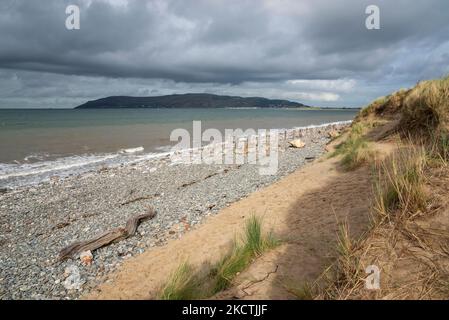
[38, 221]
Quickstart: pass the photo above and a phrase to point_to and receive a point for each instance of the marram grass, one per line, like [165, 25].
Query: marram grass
[186, 284]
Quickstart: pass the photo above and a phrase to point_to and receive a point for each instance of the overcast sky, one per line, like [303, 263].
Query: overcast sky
[316, 52]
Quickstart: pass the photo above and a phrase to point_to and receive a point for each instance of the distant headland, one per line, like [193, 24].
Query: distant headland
[189, 100]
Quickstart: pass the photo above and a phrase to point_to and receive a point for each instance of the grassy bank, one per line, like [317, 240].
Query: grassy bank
[408, 238]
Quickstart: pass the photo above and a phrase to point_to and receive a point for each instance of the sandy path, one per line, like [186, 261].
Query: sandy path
[304, 210]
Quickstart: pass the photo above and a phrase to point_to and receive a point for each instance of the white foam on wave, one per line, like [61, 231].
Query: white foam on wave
[132, 150]
[166, 148]
[26, 169]
[36, 156]
[336, 123]
[148, 157]
[21, 174]
[312, 126]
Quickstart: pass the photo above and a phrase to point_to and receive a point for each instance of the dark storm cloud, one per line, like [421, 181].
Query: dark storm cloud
[225, 46]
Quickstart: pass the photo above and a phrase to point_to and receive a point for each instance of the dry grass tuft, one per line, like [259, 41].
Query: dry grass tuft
[384, 106]
[438, 148]
[301, 292]
[346, 275]
[399, 186]
[426, 108]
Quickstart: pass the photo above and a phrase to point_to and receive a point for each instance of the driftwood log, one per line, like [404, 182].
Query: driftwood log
[140, 198]
[106, 238]
[206, 177]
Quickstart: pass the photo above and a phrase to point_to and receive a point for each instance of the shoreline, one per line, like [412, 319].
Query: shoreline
[41, 220]
[304, 211]
[46, 171]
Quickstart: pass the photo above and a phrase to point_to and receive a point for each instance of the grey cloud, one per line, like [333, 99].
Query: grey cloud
[220, 45]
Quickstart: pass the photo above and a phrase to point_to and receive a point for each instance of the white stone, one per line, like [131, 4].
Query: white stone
[297, 143]
[73, 279]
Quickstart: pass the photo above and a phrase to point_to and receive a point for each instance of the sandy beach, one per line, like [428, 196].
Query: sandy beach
[38, 221]
[304, 210]
[208, 158]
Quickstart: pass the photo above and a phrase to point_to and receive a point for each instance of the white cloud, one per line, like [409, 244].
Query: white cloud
[342, 85]
[317, 96]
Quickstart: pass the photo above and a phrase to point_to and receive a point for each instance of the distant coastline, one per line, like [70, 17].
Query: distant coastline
[323, 108]
[189, 100]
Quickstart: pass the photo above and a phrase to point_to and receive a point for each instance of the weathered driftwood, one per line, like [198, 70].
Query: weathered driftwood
[106, 238]
[206, 177]
[140, 199]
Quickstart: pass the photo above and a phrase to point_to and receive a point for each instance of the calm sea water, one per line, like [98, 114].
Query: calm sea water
[35, 144]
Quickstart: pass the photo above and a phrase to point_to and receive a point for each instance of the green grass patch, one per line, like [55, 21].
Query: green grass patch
[182, 284]
[186, 283]
[355, 150]
[241, 255]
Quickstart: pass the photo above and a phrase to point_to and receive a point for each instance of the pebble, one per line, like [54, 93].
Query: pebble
[86, 205]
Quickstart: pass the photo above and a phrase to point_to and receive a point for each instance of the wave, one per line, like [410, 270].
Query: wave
[23, 174]
[15, 175]
[132, 150]
[36, 156]
[164, 148]
[336, 123]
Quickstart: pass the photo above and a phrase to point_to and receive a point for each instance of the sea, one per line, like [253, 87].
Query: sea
[37, 144]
